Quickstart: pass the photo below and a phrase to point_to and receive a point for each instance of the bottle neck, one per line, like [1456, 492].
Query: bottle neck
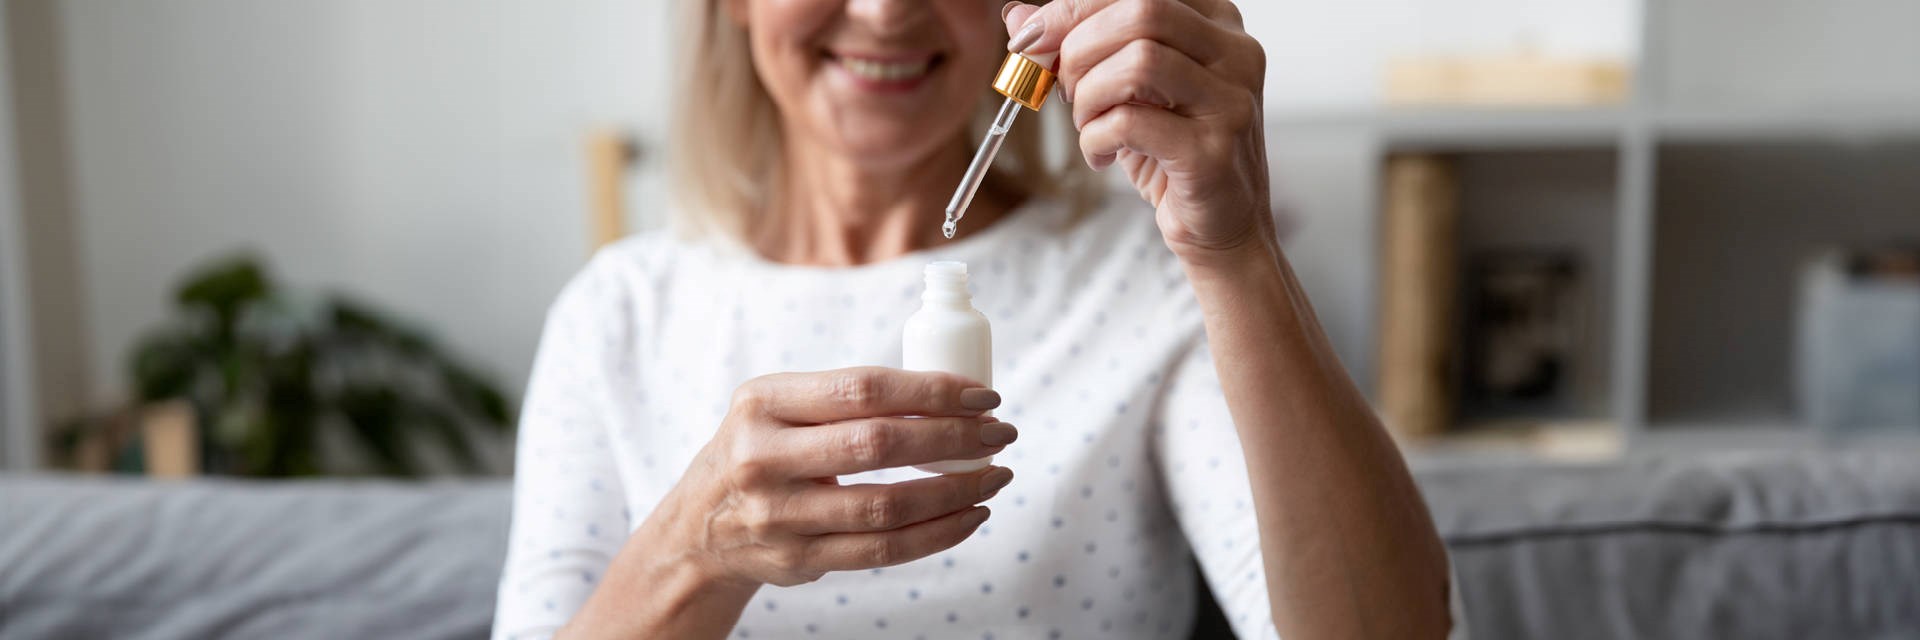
[947, 291]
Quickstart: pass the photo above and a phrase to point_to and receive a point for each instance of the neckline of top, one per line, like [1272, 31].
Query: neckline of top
[1026, 215]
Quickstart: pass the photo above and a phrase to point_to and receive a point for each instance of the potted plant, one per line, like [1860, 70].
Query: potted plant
[270, 376]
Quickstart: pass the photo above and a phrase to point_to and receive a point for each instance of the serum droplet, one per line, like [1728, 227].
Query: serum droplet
[950, 227]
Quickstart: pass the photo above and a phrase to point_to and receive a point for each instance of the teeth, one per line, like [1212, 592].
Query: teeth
[884, 71]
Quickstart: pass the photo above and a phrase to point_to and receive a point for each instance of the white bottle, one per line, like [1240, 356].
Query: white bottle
[948, 334]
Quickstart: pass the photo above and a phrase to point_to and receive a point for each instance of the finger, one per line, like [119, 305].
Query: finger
[867, 444]
[1015, 14]
[884, 507]
[862, 392]
[1044, 29]
[1231, 54]
[1171, 139]
[855, 551]
[1164, 21]
[1150, 73]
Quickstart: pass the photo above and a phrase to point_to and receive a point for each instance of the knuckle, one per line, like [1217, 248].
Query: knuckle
[1146, 58]
[1257, 56]
[749, 395]
[1231, 13]
[882, 551]
[790, 561]
[885, 512]
[758, 516]
[1147, 13]
[856, 388]
[1144, 53]
[750, 465]
[870, 443]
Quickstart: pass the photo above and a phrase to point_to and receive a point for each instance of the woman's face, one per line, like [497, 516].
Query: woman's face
[884, 83]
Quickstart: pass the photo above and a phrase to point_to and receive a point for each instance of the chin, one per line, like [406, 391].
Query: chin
[890, 152]
[877, 141]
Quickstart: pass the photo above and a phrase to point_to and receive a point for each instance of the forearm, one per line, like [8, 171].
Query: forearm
[652, 591]
[1348, 547]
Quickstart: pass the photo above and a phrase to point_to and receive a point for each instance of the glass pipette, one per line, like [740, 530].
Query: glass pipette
[1025, 82]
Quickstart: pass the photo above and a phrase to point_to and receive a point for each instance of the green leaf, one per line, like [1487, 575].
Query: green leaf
[360, 321]
[447, 429]
[224, 287]
[167, 364]
[476, 396]
[374, 416]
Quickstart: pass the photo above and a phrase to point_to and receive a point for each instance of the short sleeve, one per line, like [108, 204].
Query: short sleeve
[569, 516]
[1199, 457]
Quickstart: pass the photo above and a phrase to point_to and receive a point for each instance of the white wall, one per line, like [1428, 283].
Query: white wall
[1329, 55]
[423, 154]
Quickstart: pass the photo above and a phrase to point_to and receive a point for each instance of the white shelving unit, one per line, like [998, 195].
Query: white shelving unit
[1758, 131]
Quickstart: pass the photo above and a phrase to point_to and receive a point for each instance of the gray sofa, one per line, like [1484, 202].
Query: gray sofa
[1732, 546]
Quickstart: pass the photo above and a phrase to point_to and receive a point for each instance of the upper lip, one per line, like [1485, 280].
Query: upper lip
[888, 58]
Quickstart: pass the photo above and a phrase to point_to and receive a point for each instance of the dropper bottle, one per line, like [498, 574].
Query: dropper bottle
[948, 334]
[1025, 81]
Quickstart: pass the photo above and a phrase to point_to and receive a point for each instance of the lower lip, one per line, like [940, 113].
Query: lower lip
[902, 85]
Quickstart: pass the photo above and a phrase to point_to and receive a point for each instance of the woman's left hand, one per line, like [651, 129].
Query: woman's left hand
[1170, 90]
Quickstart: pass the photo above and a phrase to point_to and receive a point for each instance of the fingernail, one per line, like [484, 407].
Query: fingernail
[1062, 88]
[1027, 36]
[994, 481]
[998, 434]
[1009, 9]
[975, 517]
[979, 399]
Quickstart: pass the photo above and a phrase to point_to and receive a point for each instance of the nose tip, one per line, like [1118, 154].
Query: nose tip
[888, 15]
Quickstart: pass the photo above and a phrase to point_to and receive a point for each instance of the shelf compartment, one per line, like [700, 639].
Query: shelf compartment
[1736, 223]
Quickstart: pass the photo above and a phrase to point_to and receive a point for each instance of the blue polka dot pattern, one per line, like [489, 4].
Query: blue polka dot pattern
[1127, 461]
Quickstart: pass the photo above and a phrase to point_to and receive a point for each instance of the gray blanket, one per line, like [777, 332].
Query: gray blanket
[1802, 545]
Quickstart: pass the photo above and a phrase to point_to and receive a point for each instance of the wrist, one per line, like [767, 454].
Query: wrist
[668, 542]
[659, 585]
[1253, 261]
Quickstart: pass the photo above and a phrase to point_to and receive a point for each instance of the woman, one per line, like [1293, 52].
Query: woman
[670, 486]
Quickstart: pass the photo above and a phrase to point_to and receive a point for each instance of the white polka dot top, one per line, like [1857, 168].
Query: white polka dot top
[1127, 459]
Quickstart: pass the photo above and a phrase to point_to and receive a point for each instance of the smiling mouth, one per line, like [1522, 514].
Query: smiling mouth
[886, 71]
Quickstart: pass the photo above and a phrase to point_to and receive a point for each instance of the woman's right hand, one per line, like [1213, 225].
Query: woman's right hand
[765, 505]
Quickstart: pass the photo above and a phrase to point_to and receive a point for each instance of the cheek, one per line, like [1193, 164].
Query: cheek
[784, 36]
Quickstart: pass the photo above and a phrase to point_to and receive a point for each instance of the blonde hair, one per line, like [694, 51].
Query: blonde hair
[725, 144]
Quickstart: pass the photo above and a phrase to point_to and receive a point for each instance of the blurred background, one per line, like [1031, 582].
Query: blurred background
[318, 237]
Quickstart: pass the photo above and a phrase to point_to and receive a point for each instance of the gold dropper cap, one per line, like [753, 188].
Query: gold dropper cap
[1025, 80]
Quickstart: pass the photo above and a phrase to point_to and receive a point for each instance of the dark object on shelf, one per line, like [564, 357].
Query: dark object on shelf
[1859, 341]
[268, 375]
[1524, 324]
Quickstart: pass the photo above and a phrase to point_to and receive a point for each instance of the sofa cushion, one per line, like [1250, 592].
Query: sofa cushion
[124, 558]
[1768, 545]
